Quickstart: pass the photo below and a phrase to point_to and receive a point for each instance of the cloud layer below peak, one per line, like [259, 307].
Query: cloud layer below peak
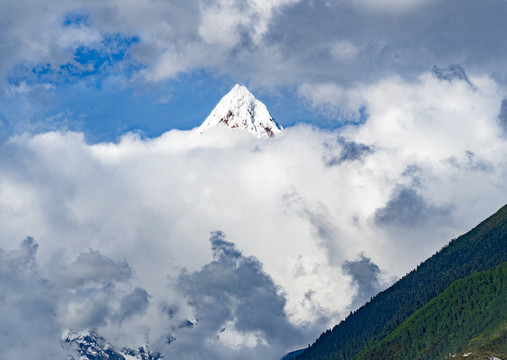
[316, 220]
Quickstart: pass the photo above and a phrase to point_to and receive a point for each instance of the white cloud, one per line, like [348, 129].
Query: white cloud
[332, 100]
[304, 204]
[266, 43]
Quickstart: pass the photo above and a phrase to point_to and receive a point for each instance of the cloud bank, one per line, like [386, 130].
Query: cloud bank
[269, 43]
[316, 221]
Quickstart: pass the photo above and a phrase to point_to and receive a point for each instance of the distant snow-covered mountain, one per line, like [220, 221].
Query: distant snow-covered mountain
[92, 346]
[239, 109]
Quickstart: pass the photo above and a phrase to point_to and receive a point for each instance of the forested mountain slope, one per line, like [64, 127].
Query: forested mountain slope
[468, 315]
[482, 248]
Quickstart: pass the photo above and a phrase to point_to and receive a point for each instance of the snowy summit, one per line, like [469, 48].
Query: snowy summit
[240, 109]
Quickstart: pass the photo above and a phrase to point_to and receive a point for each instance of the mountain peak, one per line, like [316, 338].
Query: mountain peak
[239, 109]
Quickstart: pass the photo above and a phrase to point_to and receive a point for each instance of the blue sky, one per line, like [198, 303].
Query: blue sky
[97, 92]
[105, 107]
[116, 217]
[106, 71]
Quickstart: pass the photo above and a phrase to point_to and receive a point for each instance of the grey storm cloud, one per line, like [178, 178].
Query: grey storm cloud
[413, 172]
[358, 41]
[37, 306]
[23, 258]
[478, 164]
[406, 208]
[317, 215]
[233, 290]
[269, 44]
[134, 303]
[89, 284]
[366, 275]
[96, 268]
[348, 151]
[502, 116]
[472, 163]
[28, 320]
[453, 72]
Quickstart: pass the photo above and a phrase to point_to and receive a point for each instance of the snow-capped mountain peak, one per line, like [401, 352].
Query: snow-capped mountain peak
[239, 109]
[91, 346]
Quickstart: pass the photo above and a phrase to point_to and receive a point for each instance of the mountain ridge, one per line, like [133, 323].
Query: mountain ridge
[469, 314]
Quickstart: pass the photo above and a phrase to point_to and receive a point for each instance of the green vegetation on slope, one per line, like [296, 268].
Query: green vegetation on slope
[482, 248]
[467, 315]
